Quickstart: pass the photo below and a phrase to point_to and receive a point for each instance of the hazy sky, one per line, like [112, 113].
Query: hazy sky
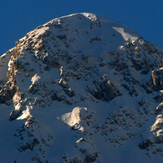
[17, 17]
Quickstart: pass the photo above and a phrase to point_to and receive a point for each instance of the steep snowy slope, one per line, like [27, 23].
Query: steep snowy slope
[81, 88]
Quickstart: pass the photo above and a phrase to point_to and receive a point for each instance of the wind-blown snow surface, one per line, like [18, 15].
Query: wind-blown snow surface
[81, 88]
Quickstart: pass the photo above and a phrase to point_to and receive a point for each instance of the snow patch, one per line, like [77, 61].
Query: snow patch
[35, 78]
[126, 36]
[26, 113]
[90, 16]
[73, 118]
[41, 31]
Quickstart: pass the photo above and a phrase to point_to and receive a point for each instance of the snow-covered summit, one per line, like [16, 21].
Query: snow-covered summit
[112, 26]
[86, 30]
[81, 88]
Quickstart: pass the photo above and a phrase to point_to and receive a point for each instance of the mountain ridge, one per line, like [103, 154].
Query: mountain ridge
[82, 88]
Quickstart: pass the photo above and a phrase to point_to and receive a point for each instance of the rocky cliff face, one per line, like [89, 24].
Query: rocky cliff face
[81, 88]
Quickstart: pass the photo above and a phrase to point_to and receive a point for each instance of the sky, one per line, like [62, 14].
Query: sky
[19, 17]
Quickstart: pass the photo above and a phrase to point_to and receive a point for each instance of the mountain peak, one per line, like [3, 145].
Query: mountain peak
[86, 29]
[81, 82]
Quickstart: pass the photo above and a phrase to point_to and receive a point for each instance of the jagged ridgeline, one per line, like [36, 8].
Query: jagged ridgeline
[86, 83]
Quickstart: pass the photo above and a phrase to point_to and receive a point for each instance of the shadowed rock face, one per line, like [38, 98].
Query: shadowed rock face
[85, 83]
[103, 90]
